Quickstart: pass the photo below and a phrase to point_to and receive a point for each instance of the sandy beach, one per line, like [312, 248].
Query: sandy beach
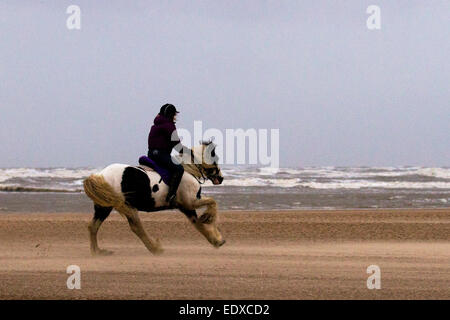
[268, 255]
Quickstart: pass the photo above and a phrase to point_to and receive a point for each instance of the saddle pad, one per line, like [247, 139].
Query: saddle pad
[164, 173]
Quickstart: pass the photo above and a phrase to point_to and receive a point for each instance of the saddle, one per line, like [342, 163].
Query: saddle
[148, 163]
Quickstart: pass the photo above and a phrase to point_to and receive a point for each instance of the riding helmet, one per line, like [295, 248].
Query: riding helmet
[168, 110]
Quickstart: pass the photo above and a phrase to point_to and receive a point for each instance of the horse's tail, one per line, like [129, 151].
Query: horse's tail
[96, 188]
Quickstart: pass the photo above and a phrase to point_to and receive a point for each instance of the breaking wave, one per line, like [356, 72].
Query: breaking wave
[333, 178]
[30, 189]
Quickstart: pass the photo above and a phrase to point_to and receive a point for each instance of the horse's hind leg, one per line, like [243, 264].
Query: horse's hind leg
[101, 213]
[152, 245]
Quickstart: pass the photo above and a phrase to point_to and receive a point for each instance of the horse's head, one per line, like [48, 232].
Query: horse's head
[206, 151]
[204, 163]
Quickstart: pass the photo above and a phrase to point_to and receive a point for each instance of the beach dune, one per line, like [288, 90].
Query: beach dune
[268, 255]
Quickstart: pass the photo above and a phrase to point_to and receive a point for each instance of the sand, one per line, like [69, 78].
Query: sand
[268, 255]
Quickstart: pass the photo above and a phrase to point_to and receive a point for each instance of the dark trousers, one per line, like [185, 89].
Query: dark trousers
[164, 160]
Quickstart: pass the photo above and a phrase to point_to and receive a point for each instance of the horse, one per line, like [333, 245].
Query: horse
[130, 189]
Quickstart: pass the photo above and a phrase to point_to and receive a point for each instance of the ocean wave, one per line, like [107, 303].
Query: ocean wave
[62, 173]
[338, 184]
[327, 172]
[71, 180]
[31, 189]
[443, 173]
[273, 183]
[358, 184]
[259, 182]
[350, 172]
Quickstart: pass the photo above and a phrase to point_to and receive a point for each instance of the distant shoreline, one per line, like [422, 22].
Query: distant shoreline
[251, 188]
[262, 211]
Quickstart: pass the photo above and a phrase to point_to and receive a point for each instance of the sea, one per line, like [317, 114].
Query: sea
[28, 190]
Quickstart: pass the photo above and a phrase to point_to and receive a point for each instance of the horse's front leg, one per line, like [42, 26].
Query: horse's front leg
[206, 223]
[210, 213]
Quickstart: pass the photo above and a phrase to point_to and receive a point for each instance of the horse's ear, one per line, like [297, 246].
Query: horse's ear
[209, 153]
[206, 142]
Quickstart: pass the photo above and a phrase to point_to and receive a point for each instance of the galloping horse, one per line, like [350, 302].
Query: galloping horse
[130, 189]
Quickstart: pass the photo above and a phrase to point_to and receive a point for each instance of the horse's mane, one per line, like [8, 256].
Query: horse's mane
[192, 169]
[196, 163]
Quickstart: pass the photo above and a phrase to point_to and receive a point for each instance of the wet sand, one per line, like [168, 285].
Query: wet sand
[268, 255]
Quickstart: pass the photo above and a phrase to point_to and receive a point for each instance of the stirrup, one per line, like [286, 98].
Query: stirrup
[172, 200]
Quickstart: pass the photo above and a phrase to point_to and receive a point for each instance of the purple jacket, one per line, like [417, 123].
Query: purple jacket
[160, 136]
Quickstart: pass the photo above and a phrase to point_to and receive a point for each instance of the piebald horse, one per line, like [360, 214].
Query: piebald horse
[130, 189]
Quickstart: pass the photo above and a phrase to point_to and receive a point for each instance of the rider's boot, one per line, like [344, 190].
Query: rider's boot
[173, 186]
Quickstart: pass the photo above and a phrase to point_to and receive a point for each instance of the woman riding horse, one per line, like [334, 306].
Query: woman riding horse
[130, 189]
[162, 139]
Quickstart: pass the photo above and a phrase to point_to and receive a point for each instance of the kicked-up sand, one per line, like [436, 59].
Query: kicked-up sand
[268, 255]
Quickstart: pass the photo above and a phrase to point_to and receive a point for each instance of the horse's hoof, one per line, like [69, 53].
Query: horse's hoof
[158, 251]
[103, 252]
[219, 244]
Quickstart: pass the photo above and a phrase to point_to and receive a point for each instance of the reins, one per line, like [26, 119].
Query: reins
[196, 172]
[199, 170]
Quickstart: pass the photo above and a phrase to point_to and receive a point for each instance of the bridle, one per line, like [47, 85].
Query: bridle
[201, 170]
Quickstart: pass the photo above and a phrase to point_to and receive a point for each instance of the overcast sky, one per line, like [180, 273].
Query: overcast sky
[340, 94]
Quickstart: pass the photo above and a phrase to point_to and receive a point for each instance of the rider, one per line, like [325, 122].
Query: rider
[162, 139]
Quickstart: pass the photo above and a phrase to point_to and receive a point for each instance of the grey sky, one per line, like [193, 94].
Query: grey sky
[339, 93]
